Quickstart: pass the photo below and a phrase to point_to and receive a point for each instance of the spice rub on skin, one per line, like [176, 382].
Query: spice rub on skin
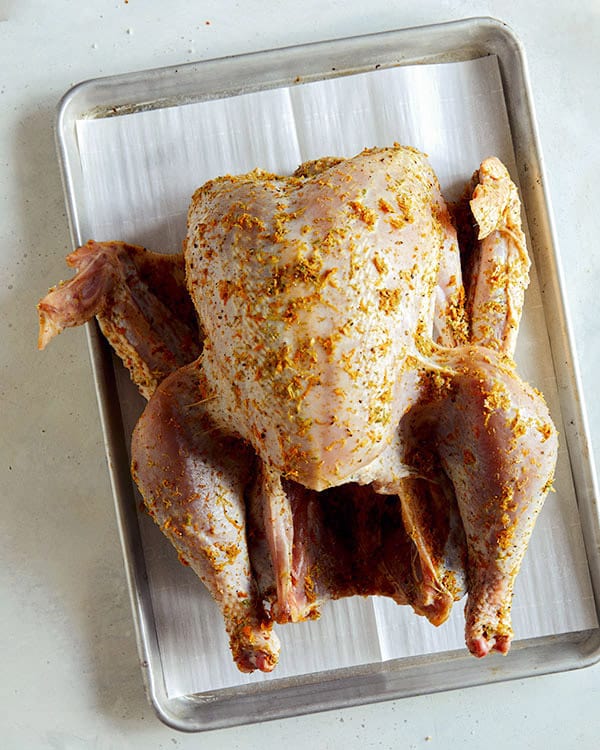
[340, 263]
[355, 423]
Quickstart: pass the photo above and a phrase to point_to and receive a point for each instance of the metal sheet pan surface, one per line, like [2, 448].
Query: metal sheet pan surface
[171, 87]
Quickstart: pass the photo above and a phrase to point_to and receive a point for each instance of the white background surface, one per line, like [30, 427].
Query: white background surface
[69, 676]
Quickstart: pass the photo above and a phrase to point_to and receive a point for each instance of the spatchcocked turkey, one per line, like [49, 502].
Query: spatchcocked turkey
[333, 406]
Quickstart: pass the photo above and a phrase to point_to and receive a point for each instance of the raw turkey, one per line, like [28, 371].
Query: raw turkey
[344, 416]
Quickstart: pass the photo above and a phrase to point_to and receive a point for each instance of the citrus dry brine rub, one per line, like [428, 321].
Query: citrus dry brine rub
[333, 405]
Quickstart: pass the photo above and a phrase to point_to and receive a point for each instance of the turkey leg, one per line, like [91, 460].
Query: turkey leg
[193, 477]
[498, 446]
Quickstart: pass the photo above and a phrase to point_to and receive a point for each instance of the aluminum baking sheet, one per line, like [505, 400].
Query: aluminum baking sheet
[259, 81]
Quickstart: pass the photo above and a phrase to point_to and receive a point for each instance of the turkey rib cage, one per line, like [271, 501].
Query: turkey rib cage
[346, 417]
